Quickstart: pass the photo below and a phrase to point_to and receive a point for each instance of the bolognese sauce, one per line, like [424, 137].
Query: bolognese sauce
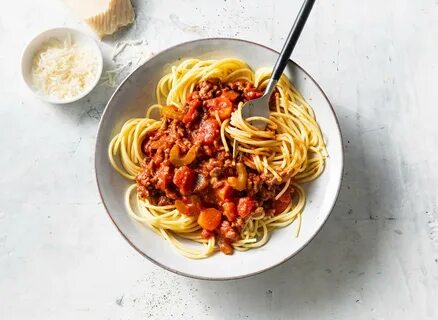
[186, 165]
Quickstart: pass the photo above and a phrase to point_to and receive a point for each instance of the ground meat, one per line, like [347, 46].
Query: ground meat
[163, 176]
[208, 89]
[273, 99]
[194, 95]
[221, 165]
[216, 172]
[216, 183]
[209, 150]
[158, 184]
[238, 86]
[239, 223]
[165, 138]
[228, 232]
[254, 183]
[164, 201]
[262, 187]
[259, 211]
[225, 247]
[207, 234]
[144, 183]
[269, 179]
[265, 194]
[142, 191]
[247, 89]
[158, 157]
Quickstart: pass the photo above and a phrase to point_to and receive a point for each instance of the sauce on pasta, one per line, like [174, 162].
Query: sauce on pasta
[204, 173]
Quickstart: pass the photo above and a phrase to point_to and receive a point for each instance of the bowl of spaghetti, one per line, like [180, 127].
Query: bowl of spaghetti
[198, 189]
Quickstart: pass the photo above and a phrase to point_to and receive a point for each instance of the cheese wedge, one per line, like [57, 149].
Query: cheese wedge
[104, 16]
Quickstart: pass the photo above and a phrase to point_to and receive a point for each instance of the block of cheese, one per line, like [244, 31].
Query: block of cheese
[104, 16]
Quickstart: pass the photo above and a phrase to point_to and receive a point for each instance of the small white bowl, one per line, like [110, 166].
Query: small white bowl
[77, 37]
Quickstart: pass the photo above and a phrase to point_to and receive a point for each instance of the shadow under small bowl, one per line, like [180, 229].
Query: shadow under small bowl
[61, 34]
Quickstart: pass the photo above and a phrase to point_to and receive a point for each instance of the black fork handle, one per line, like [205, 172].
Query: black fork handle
[292, 39]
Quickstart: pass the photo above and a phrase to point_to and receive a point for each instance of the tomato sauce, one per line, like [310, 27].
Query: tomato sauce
[186, 165]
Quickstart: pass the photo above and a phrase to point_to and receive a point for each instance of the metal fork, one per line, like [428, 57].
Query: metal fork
[260, 107]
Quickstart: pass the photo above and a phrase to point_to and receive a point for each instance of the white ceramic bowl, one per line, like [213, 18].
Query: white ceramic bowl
[81, 39]
[138, 91]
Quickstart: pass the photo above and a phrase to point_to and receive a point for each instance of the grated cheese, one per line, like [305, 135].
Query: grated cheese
[63, 70]
[126, 55]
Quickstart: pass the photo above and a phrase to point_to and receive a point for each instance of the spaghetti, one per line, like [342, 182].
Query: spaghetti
[252, 177]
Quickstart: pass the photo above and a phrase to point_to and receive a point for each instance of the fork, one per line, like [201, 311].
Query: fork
[260, 107]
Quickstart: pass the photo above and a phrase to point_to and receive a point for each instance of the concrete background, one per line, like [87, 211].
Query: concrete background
[377, 256]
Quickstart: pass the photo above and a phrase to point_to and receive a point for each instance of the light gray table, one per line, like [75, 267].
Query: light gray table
[377, 256]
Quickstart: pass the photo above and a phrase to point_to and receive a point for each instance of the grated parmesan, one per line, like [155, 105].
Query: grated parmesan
[63, 70]
[126, 55]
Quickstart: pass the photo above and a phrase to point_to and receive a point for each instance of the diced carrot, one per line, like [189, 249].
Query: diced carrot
[209, 219]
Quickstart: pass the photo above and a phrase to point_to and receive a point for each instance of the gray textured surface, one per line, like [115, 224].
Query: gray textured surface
[376, 258]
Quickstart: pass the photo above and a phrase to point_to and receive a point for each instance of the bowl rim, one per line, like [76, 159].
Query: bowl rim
[304, 245]
[96, 52]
